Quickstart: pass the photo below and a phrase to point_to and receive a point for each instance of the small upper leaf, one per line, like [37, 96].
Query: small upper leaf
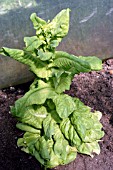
[32, 43]
[44, 55]
[37, 22]
[59, 26]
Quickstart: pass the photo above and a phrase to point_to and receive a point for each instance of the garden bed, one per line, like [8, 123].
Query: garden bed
[95, 89]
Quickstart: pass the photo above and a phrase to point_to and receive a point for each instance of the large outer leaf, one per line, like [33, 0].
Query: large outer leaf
[64, 105]
[52, 151]
[34, 96]
[94, 62]
[86, 123]
[48, 125]
[89, 148]
[60, 147]
[27, 128]
[28, 140]
[33, 117]
[36, 65]
[70, 63]
[14, 53]
[70, 133]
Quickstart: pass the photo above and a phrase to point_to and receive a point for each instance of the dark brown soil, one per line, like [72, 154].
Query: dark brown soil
[94, 89]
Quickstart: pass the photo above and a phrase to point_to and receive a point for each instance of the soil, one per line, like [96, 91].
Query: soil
[95, 89]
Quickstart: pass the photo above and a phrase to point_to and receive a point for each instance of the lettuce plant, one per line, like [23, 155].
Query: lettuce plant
[56, 125]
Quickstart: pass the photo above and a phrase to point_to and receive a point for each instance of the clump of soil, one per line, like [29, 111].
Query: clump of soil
[95, 89]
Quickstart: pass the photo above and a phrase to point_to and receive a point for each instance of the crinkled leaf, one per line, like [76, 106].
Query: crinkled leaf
[32, 43]
[54, 160]
[74, 139]
[72, 153]
[41, 71]
[64, 105]
[28, 140]
[43, 148]
[53, 154]
[70, 63]
[32, 117]
[59, 26]
[48, 125]
[70, 133]
[94, 62]
[37, 22]
[39, 96]
[89, 148]
[44, 55]
[38, 83]
[63, 83]
[38, 157]
[86, 124]
[53, 31]
[61, 80]
[13, 53]
[36, 65]
[34, 96]
[60, 148]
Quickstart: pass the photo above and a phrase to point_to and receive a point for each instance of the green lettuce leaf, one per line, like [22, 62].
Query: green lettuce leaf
[59, 26]
[94, 62]
[45, 55]
[37, 22]
[32, 43]
[70, 133]
[27, 128]
[70, 63]
[32, 116]
[86, 123]
[34, 96]
[61, 80]
[36, 65]
[52, 151]
[64, 105]
[48, 125]
[89, 148]
[27, 142]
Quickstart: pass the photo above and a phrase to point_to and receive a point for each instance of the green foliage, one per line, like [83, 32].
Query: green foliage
[56, 125]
